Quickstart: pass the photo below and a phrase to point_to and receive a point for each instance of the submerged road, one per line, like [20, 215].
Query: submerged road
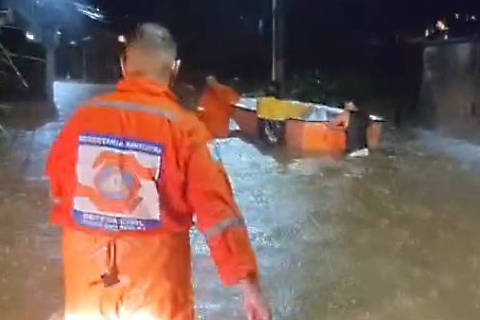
[394, 236]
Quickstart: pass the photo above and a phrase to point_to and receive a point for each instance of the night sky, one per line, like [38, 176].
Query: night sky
[235, 35]
[217, 22]
[367, 15]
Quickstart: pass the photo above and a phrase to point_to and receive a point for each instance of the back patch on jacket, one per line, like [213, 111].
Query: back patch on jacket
[117, 183]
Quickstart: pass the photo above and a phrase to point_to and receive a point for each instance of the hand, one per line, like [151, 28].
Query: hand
[337, 128]
[255, 305]
[57, 316]
[54, 200]
[333, 125]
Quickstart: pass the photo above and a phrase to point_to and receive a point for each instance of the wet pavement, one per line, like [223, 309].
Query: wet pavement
[393, 236]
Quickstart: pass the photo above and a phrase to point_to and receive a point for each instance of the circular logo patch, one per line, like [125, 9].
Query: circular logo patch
[114, 184]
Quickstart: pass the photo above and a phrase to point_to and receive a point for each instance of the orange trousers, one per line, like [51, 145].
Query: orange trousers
[152, 277]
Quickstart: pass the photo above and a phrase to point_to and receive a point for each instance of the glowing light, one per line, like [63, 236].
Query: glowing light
[427, 33]
[474, 18]
[30, 36]
[122, 39]
[445, 37]
[260, 26]
[441, 25]
[59, 33]
[457, 16]
[73, 43]
[90, 11]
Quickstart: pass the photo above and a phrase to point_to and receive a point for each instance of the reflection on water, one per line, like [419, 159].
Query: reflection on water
[393, 236]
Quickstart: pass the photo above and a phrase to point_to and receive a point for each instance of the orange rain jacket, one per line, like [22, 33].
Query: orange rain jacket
[127, 171]
[216, 105]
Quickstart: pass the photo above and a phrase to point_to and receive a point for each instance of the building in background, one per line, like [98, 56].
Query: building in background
[449, 93]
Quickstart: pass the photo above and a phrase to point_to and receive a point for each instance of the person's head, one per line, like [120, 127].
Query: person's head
[272, 89]
[211, 81]
[350, 106]
[151, 52]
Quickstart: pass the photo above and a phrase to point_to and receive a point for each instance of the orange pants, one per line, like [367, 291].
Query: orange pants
[153, 277]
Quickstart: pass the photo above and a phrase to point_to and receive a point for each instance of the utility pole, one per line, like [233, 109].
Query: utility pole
[278, 41]
[274, 40]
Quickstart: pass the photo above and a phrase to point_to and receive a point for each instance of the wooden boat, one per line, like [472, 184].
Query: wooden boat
[309, 134]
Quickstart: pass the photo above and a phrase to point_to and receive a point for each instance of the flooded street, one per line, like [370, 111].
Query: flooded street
[393, 236]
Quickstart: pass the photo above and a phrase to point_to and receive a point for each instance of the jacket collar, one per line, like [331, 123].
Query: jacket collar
[146, 86]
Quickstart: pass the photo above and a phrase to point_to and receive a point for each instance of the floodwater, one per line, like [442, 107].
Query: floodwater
[392, 236]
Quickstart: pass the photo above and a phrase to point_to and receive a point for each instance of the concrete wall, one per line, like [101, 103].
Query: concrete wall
[449, 95]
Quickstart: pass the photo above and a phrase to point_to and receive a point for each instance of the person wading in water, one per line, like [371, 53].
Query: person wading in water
[356, 123]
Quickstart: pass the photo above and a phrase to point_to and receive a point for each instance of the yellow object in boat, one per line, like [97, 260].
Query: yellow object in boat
[270, 108]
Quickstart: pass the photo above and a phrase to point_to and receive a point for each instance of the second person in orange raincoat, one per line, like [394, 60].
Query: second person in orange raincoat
[216, 106]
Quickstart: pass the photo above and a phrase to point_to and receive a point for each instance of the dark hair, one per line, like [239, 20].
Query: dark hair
[358, 101]
[273, 89]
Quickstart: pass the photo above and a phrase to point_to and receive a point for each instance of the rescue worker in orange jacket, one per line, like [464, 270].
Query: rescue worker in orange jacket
[127, 171]
[216, 106]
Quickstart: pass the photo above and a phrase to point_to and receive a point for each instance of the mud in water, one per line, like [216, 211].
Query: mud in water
[392, 236]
